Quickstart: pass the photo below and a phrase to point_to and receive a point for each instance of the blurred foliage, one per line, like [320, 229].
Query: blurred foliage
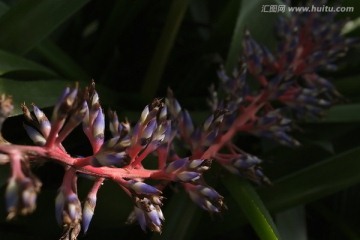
[135, 50]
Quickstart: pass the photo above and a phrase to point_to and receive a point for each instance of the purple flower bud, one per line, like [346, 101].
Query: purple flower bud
[106, 158]
[142, 188]
[173, 106]
[99, 126]
[59, 206]
[163, 114]
[21, 195]
[220, 118]
[168, 135]
[12, 195]
[135, 133]
[44, 123]
[149, 215]
[124, 143]
[154, 216]
[65, 104]
[35, 136]
[149, 129]
[80, 113]
[94, 99]
[186, 176]
[70, 99]
[140, 216]
[246, 161]
[206, 197]
[88, 211]
[86, 119]
[144, 115]
[114, 125]
[176, 165]
[63, 95]
[210, 138]
[111, 142]
[187, 123]
[200, 165]
[68, 209]
[161, 134]
[208, 122]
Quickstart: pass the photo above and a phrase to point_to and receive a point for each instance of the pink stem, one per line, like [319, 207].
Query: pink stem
[69, 181]
[248, 114]
[16, 165]
[95, 188]
[55, 128]
[34, 152]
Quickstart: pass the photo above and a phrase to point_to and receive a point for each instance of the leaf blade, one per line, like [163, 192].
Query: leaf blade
[300, 187]
[10, 63]
[43, 16]
[163, 48]
[253, 208]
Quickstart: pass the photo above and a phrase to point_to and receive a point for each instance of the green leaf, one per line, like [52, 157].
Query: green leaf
[250, 17]
[343, 113]
[43, 93]
[163, 48]
[123, 13]
[314, 182]
[10, 63]
[61, 62]
[29, 22]
[253, 207]
[3, 8]
[292, 223]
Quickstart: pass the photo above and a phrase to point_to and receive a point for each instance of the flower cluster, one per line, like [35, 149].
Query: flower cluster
[291, 89]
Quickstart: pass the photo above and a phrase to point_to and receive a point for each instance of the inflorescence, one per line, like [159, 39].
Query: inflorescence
[290, 88]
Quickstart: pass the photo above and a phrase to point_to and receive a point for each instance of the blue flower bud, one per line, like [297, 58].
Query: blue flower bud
[187, 123]
[163, 114]
[148, 214]
[176, 165]
[86, 119]
[35, 136]
[106, 158]
[206, 197]
[44, 123]
[200, 165]
[95, 99]
[144, 114]
[88, 211]
[186, 176]
[208, 122]
[149, 129]
[12, 195]
[21, 195]
[140, 216]
[99, 126]
[142, 188]
[67, 209]
[114, 125]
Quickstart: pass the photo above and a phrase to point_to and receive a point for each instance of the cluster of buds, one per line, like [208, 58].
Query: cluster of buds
[147, 206]
[206, 197]
[290, 86]
[186, 170]
[68, 207]
[21, 192]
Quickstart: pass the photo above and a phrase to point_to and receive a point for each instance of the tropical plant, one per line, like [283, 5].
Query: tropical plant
[268, 90]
